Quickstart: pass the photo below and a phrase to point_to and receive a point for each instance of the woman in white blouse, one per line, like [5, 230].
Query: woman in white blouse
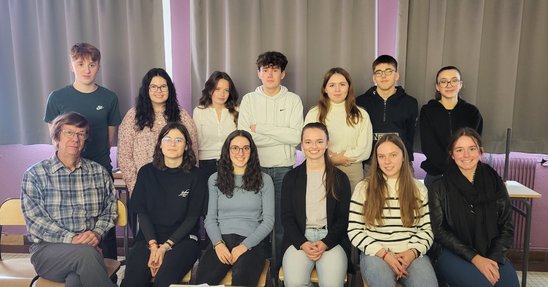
[349, 125]
[216, 116]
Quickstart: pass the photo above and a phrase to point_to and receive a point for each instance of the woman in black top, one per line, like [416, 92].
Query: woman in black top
[168, 197]
[471, 217]
[440, 118]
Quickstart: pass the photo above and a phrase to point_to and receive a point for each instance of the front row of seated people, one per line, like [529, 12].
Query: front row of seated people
[463, 223]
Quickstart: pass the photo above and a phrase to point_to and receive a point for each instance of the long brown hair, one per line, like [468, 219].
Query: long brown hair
[353, 115]
[377, 192]
[209, 87]
[329, 176]
[252, 178]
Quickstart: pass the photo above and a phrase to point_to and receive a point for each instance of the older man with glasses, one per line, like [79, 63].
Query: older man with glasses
[69, 204]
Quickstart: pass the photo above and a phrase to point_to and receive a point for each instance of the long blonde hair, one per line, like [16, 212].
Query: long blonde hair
[376, 190]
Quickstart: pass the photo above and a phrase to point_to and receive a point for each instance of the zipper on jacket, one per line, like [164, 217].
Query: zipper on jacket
[384, 112]
[450, 124]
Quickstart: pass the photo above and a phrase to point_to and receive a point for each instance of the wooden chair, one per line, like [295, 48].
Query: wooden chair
[186, 279]
[17, 271]
[111, 264]
[227, 280]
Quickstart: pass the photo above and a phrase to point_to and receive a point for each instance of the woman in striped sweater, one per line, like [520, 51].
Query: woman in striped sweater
[389, 220]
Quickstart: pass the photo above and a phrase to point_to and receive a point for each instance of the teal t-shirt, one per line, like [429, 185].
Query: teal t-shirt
[101, 110]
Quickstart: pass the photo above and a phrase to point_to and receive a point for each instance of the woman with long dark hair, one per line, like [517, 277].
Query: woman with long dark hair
[389, 220]
[349, 126]
[169, 197]
[215, 116]
[240, 215]
[441, 117]
[315, 200]
[471, 218]
[156, 105]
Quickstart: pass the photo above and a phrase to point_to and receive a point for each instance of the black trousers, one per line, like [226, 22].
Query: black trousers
[245, 272]
[108, 244]
[177, 262]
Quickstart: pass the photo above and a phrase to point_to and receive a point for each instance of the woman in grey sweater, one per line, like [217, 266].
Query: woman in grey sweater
[240, 215]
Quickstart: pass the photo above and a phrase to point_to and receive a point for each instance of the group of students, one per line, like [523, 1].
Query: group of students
[247, 186]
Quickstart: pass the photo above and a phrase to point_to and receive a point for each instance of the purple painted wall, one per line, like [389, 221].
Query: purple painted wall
[180, 44]
[387, 27]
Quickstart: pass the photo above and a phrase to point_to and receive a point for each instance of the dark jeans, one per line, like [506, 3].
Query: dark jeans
[277, 174]
[245, 272]
[108, 244]
[455, 271]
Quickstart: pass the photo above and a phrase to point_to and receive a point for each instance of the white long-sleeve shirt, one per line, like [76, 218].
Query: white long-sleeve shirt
[355, 141]
[278, 120]
[392, 235]
[212, 131]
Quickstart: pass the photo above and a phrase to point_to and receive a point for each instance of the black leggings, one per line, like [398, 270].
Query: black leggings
[177, 262]
[245, 272]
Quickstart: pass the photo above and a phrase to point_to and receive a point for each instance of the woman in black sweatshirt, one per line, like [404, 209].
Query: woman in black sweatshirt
[440, 118]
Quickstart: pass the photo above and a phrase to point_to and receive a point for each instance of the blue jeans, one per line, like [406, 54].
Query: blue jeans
[277, 174]
[331, 267]
[376, 272]
[455, 271]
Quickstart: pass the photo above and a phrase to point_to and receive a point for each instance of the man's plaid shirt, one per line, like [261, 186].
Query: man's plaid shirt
[58, 204]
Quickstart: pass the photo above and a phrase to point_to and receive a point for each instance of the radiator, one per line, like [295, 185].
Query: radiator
[523, 171]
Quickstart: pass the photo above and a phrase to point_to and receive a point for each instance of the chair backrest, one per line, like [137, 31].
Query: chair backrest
[11, 212]
[122, 213]
[14, 272]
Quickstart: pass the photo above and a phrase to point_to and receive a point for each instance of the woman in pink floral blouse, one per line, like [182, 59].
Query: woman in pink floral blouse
[156, 105]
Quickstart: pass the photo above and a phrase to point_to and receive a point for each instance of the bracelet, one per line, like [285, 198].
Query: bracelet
[218, 242]
[170, 244]
[166, 246]
[415, 252]
[384, 255]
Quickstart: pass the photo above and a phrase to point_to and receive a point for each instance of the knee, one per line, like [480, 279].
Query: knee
[331, 279]
[73, 279]
[293, 279]
[376, 274]
[88, 253]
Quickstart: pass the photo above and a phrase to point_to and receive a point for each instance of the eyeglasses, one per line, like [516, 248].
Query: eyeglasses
[168, 139]
[154, 88]
[386, 72]
[80, 135]
[445, 83]
[236, 149]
